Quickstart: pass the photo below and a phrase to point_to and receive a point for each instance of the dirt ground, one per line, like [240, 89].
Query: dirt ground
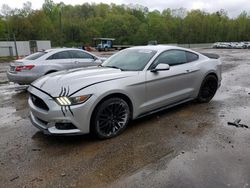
[190, 145]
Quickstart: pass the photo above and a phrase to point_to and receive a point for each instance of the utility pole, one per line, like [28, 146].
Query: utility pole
[8, 31]
[8, 28]
[60, 26]
[14, 37]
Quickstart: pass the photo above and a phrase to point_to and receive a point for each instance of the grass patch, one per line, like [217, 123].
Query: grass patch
[6, 59]
[3, 82]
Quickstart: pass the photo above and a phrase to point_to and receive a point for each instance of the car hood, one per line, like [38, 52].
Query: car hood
[75, 79]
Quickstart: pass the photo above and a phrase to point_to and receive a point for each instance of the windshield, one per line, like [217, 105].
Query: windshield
[35, 55]
[130, 59]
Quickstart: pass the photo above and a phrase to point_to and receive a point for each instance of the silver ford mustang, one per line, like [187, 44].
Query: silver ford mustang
[130, 84]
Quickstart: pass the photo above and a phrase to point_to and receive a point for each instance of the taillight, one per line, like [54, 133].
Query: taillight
[26, 67]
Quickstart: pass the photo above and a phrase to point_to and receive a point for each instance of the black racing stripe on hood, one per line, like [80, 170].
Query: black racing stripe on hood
[42, 91]
[96, 83]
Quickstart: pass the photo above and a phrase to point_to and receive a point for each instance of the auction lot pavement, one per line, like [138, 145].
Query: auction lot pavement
[190, 145]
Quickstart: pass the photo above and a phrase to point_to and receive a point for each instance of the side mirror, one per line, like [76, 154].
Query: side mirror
[161, 67]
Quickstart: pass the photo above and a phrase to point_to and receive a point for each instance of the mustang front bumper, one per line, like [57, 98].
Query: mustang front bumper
[50, 120]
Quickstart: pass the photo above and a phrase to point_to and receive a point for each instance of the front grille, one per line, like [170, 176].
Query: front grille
[39, 102]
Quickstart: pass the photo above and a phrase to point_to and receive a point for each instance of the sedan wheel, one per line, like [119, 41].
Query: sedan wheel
[111, 118]
[208, 89]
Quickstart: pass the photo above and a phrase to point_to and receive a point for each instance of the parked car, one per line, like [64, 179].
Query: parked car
[130, 84]
[222, 45]
[233, 45]
[28, 69]
[237, 45]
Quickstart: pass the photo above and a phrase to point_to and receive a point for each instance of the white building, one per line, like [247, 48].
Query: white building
[24, 48]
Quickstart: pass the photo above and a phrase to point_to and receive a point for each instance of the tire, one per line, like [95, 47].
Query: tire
[105, 49]
[208, 89]
[110, 118]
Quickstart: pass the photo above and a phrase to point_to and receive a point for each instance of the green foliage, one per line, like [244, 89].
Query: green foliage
[2, 23]
[69, 25]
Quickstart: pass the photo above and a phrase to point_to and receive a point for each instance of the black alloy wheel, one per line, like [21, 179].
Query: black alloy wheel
[208, 89]
[110, 118]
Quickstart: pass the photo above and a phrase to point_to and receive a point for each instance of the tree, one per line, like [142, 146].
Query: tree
[2, 29]
[27, 9]
[68, 25]
[6, 10]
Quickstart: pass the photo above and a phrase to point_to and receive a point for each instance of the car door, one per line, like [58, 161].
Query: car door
[60, 59]
[167, 87]
[82, 59]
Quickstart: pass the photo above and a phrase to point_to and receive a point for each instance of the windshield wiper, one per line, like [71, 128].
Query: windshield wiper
[115, 67]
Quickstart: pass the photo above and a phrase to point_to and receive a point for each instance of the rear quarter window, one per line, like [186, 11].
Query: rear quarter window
[191, 56]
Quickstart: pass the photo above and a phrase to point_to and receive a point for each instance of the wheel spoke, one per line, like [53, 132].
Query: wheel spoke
[119, 108]
[103, 124]
[113, 108]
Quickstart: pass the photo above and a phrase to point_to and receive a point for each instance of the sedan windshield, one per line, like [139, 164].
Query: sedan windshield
[130, 59]
[35, 56]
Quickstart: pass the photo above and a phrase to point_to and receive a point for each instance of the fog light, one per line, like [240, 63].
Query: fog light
[65, 126]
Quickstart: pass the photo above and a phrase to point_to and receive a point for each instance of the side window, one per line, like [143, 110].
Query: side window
[60, 55]
[80, 55]
[191, 56]
[171, 57]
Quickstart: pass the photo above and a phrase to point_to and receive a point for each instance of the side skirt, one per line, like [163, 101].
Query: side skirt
[164, 108]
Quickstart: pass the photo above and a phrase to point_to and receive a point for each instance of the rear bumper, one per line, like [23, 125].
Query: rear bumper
[22, 77]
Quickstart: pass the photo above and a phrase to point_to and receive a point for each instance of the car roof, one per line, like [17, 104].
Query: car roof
[160, 48]
[61, 49]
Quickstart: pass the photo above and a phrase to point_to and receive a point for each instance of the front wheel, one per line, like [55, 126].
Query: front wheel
[208, 89]
[110, 118]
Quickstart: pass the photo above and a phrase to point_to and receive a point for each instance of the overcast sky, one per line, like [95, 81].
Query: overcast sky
[233, 7]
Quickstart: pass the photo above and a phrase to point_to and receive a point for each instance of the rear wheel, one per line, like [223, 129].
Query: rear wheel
[208, 89]
[110, 118]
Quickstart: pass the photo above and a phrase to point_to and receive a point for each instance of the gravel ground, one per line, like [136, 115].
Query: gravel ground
[190, 145]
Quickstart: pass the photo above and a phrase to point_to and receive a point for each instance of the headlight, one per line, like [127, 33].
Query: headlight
[67, 101]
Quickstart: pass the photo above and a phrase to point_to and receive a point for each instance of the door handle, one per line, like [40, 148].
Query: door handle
[76, 62]
[191, 70]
